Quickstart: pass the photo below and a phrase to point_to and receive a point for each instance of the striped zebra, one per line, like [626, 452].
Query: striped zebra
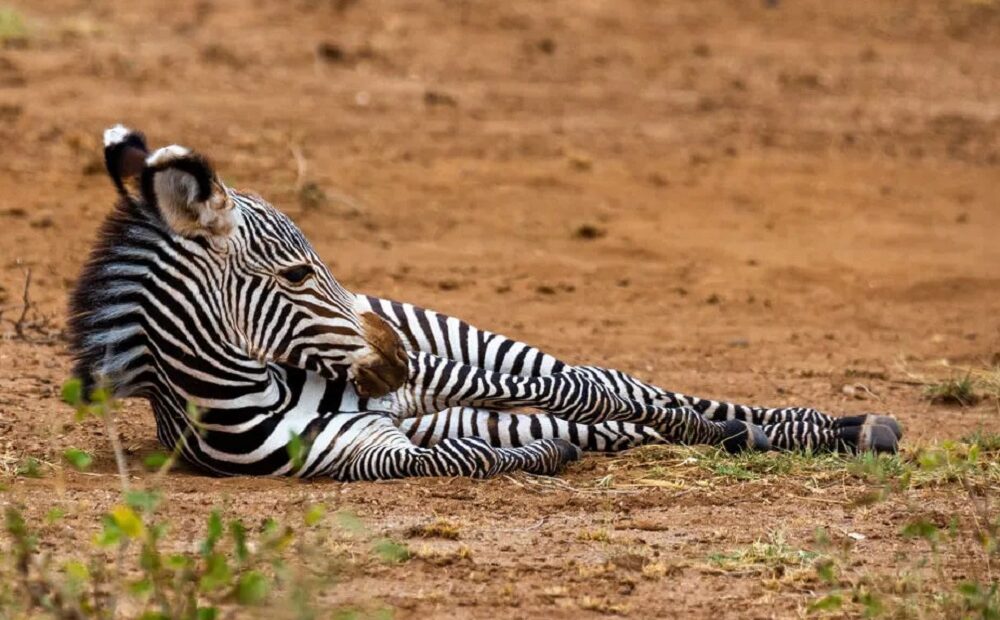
[212, 305]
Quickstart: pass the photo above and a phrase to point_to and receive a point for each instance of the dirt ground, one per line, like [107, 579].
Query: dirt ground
[758, 201]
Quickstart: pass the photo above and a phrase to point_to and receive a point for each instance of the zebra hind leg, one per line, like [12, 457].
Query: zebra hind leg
[511, 430]
[437, 383]
[866, 436]
[637, 390]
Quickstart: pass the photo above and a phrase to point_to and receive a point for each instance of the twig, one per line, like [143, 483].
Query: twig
[26, 298]
[116, 447]
[301, 166]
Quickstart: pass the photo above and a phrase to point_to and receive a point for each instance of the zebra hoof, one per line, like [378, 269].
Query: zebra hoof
[887, 421]
[567, 451]
[871, 438]
[871, 419]
[739, 436]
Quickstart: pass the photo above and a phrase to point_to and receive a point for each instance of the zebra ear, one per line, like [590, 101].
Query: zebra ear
[190, 197]
[125, 156]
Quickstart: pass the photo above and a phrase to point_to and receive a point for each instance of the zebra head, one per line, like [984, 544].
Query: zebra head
[221, 276]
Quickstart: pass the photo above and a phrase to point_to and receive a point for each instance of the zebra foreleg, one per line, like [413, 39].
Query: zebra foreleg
[509, 430]
[388, 454]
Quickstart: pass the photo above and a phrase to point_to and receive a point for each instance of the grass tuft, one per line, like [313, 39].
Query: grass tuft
[954, 391]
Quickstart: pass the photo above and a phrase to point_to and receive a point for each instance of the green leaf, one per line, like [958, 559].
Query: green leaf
[830, 602]
[239, 535]
[149, 559]
[390, 551]
[178, 562]
[100, 396]
[296, 450]
[30, 468]
[826, 570]
[77, 571]
[55, 515]
[252, 588]
[383, 613]
[872, 604]
[315, 514]
[155, 461]
[72, 392]
[350, 522]
[141, 588]
[207, 613]
[128, 521]
[921, 528]
[214, 533]
[217, 573]
[78, 459]
[154, 615]
[111, 534]
[144, 501]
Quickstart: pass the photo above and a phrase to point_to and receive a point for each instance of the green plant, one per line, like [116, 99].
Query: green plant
[953, 391]
[138, 560]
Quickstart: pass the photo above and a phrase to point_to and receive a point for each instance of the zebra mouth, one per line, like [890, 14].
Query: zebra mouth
[384, 368]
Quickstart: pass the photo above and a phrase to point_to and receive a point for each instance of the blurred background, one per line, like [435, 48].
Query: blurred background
[792, 201]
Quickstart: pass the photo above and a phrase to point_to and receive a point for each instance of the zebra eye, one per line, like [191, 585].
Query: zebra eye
[297, 274]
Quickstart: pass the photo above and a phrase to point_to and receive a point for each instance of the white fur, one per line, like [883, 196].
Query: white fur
[167, 154]
[116, 134]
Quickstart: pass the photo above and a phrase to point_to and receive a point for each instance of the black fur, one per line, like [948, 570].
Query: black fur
[126, 159]
[88, 295]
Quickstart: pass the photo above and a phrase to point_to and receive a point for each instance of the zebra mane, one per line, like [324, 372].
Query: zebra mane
[92, 294]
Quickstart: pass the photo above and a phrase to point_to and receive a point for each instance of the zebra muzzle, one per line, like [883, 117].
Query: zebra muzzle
[384, 368]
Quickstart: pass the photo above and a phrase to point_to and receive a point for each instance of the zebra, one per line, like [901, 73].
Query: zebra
[212, 305]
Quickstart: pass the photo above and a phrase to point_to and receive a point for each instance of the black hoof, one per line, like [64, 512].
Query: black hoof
[887, 421]
[567, 451]
[740, 436]
[872, 419]
[871, 438]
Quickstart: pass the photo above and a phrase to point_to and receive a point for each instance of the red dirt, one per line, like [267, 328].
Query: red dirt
[784, 200]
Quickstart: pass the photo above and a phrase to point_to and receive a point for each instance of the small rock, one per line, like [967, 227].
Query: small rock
[589, 231]
[331, 52]
[547, 46]
[435, 98]
[43, 221]
[657, 179]
[580, 162]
